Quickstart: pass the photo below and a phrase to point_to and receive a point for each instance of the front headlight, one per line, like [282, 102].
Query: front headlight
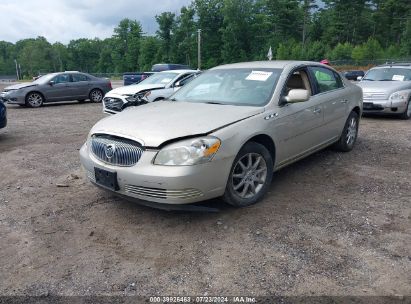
[188, 152]
[399, 96]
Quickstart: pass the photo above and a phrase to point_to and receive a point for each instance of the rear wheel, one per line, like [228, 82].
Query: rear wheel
[349, 134]
[407, 113]
[34, 100]
[96, 95]
[250, 176]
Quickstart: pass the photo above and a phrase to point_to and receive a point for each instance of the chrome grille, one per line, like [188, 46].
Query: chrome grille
[113, 104]
[115, 150]
[374, 96]
[163, 193]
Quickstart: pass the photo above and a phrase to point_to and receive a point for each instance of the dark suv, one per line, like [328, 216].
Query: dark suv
[353, 75]
[3, 114]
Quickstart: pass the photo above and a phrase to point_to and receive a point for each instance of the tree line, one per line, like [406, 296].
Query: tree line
[232, 31]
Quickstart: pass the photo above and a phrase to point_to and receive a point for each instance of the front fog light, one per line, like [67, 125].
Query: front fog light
[188, 152]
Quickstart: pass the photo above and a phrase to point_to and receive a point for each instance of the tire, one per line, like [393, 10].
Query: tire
[407, 113]
[96, 95]
[244, 177]
[34, 100]
[349, 134]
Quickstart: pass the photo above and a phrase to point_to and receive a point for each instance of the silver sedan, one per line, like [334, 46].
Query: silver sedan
[63, 86]
[224, 133]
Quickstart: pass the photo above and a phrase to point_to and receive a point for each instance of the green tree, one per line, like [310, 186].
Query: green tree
[165, 22]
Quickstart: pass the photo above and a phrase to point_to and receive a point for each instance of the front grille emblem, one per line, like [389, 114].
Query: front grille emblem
[110, 150]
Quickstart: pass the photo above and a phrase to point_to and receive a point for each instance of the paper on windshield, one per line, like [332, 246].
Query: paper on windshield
[259, 75]
[398, 77]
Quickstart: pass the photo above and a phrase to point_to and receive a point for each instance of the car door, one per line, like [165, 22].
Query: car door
[297, 127]
[59, 88]
[329, 85]
[80, 86]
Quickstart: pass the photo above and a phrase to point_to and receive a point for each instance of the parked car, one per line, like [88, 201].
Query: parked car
[62, 86]
[387, 89]
[131, 78]
[119, 99]
[3, 115]
[224, 133]
[160, 67]
[353, 75]
[160, 94]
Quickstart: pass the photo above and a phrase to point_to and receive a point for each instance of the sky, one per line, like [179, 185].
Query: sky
[64, 20]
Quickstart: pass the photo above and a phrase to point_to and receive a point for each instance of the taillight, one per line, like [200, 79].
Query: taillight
[109, 85]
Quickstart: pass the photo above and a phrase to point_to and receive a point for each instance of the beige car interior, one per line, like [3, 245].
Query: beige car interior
[299, 80]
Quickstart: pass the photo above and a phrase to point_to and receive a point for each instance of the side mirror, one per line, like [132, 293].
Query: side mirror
[177, 84]
[51, 82]
[297, 95]
[359, 78]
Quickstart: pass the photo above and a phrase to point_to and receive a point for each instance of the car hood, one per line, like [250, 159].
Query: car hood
[155, 123]
[19, 86]
[135, 88]
[384, 86]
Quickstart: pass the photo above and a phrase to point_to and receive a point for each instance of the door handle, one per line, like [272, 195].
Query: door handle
[344, 101]
[317, 111]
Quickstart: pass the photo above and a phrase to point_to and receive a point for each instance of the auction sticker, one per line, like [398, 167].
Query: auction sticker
[398, 77]
[259, 75]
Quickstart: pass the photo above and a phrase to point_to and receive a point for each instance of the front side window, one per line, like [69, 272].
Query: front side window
[62, 78]
[243, 87]
[388, 74]
[327, 80]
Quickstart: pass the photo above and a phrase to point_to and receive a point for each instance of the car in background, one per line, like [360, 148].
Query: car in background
[131, 78]
[61, 86]
[160, 67]
[160, 94]
[353, 75]
[387, 89]
[3, 115]
[120, 98]
[224, 133]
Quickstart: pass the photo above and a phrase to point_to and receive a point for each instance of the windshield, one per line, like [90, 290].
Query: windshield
[159, 78]
[246, 87]
[388, 74]
[44, 79]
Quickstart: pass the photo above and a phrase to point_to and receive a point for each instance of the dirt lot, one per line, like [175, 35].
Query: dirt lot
[332, 224]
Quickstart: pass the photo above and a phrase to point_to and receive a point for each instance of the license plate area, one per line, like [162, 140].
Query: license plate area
[106, 179]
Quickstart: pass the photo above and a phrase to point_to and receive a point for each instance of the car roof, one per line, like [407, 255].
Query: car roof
[178, 71]
[275, 64]
[397, 65]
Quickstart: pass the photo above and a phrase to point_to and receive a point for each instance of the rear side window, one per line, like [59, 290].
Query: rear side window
[79, 77]
[326, 80]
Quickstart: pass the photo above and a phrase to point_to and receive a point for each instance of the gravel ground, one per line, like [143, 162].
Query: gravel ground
[332, 224]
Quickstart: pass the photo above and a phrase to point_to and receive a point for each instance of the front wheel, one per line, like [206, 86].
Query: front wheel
[96, 95]
[250, 176]
[34, 100]
[407, 113]
[349, 134]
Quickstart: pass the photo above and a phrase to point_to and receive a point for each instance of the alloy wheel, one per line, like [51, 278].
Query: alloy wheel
[249, 175]
[96, 96]
[35, 100]
[351, 131]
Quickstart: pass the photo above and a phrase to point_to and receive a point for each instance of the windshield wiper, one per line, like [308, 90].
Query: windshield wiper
[369, 79]
[214, 102]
